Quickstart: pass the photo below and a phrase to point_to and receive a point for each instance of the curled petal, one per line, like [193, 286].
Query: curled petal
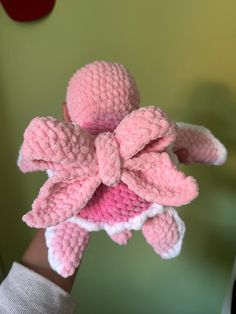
[59, 199]
[141, 127]
[155, 178]
[52, 144]
[195, 143]
[26, 165]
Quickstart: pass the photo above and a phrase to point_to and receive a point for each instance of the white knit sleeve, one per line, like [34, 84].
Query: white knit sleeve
[25, 292]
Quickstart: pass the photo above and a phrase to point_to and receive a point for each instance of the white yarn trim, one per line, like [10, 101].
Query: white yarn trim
[221, 150]
[54, 263]
[134, 223]
[50, 173]
[19, 159]
[175, 250]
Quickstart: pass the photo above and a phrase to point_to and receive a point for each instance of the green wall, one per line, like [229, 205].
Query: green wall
[182, 54]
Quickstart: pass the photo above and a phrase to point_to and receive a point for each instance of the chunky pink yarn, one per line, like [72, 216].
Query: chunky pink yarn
[113, 205]
[112, 166]
[82, 162]
[66, 245]
[161, 232]
[100, 95]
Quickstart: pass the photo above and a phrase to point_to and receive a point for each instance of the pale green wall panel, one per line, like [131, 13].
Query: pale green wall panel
[182, 54]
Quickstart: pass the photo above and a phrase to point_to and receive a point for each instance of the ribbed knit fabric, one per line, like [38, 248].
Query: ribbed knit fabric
[26, 292]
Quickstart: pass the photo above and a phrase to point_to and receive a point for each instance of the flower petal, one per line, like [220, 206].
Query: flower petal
[195, 143]
[52, 144]
[59, 199]
[156, 179]
[66, 244]
[165, 233]
[141, 127]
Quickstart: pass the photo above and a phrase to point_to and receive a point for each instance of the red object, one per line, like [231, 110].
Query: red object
[27, 10]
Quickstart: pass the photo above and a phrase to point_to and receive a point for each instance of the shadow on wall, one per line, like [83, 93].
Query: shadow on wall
[212, 219]
[13, 233]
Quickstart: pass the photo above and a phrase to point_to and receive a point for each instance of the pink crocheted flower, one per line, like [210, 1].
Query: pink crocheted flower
[111, 166]
[80, 162]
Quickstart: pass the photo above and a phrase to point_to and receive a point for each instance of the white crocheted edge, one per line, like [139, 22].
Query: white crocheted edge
[54, 263]
[50, 173]
[153, 210]
[221, 150]
[19, 158]
[134, 223]
[176, 249]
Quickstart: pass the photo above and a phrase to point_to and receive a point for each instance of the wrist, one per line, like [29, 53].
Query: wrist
[36, 259]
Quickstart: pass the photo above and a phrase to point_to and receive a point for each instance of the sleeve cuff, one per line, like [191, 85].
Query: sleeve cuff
[25, 291]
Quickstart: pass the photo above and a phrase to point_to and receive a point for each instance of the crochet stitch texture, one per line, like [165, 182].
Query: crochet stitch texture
[111, 166]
